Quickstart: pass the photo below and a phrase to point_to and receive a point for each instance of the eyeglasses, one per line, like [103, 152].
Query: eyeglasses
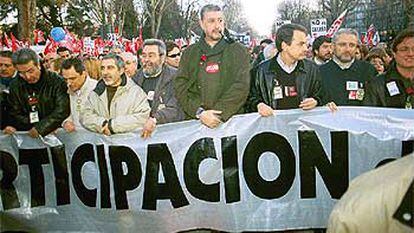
[174, 55]
[343, 44]
[405, 49]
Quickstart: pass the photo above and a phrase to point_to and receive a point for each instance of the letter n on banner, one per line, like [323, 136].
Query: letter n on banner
[335, 174]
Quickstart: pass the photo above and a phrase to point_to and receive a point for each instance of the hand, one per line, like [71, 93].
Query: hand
[210, 118]
[148, 128]
[33, 133]
[308, 104]
[105, 130]
[264, 110]
[332, 106]
[9, 130]
[69, 126]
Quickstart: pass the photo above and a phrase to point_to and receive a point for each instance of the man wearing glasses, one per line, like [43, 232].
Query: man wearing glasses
[344, 78]
[173, 54]
[394, 88]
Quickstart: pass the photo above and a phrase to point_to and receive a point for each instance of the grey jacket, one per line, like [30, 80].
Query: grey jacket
[165, 106]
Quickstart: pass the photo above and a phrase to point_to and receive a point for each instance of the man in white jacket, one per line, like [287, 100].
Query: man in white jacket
[116, 105]
[80, 85]
[380, 201]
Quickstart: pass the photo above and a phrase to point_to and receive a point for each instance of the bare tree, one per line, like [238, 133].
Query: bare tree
[27, 18]
[409, 12]
[296, 11]
[189, 10]
[331, 9]
[233, 13]
[155, 10]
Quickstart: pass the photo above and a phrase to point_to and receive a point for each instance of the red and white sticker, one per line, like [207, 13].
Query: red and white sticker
[291, 91]
[212, 68]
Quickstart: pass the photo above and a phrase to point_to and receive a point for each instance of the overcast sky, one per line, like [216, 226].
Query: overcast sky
[261, 14]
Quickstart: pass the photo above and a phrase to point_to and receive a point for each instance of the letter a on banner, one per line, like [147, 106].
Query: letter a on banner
[336, 24]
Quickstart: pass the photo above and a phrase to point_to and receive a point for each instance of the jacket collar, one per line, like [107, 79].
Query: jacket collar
[101, 87]
[393, 74]
[211, 51]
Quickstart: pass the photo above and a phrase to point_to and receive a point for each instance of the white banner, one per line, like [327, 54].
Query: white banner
[250, 174]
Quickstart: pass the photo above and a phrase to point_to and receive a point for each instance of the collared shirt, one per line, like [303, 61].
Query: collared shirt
[343, 65]
[319, 61]
[286, 68]
[78, 98]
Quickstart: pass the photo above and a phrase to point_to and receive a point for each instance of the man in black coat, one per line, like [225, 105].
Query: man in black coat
[38, 99]
[156, 79]
[395, 88]
[344, 78]
[287, 80]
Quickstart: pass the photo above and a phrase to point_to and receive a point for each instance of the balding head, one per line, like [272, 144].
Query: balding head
[131, 62]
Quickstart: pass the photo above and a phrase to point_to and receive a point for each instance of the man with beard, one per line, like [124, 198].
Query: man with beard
[344, 78]
[213, 80]
[395, 88]
[322, 51]
[155, 78]
[116, 105]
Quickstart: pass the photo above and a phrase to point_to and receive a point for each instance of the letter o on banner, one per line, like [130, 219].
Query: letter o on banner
[277, 144]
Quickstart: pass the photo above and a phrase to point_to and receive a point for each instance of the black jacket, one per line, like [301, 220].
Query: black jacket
[308, 83]
[335, 82]
[165, 106]
[379, 95]
[53, 102]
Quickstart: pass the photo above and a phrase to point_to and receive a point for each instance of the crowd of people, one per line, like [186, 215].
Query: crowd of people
[210, 81]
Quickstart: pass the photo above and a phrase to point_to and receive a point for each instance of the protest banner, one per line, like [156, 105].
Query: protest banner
[250, 174]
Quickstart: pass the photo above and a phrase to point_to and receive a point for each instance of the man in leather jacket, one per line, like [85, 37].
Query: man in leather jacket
[38, 99]
[394, 88]
[287, 80]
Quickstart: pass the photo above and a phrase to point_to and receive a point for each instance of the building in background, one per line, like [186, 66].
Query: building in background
[388, 16]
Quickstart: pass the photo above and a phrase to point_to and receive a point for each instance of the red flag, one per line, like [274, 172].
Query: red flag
[99, 45]
[128, 46]
[38, 36]
[370, 34]
[51, 46]
[15, 44]
[7, 41]
[336, 24]
[363, 38]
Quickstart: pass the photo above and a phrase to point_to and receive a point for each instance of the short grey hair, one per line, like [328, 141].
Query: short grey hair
[347, 31]
[208, 8]
[119, 62]
[24, 56]
[162, 49]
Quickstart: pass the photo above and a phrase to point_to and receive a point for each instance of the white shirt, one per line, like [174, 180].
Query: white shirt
[286, 68]
[78, 99]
